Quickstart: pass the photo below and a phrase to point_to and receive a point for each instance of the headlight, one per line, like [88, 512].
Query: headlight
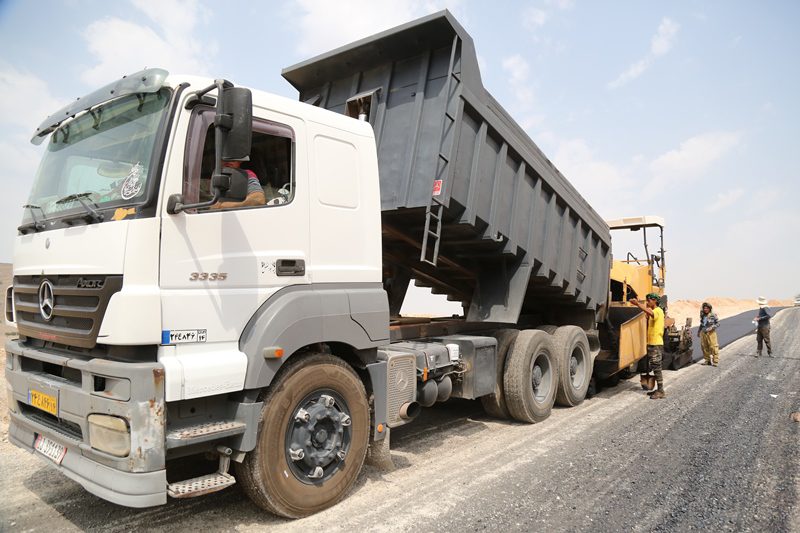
[109, 434]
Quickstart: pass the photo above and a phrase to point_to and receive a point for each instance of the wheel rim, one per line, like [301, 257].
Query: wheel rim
[577, 367]
[541, 377]
[318, 436]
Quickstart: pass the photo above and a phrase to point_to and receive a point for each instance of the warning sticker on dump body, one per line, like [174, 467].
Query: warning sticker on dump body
[179, 336]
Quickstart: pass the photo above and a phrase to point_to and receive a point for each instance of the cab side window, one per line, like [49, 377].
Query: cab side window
[270, 166]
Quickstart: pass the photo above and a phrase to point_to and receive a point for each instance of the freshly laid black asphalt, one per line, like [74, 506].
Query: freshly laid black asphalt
[730, 329]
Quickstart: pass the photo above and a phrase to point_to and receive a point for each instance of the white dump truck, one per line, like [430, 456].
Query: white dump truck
[205, 269]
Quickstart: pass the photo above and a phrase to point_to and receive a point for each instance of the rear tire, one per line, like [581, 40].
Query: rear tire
[495, 404]
[531, 377]
[328, 390]
[574, 365]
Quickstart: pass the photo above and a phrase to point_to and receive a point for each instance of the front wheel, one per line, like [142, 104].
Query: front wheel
[312, 439]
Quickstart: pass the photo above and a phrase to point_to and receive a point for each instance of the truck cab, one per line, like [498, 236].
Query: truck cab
[136, 320]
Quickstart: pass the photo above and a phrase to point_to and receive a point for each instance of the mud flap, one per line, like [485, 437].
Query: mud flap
[379, 455]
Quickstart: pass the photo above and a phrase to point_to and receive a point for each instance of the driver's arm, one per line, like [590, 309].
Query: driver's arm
[252, 199]
[255, 195]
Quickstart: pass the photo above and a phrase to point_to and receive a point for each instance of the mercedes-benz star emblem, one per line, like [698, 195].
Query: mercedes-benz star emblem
[46, 300]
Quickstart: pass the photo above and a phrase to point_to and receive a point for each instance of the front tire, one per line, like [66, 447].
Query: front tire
[312, 438]
[531, 377]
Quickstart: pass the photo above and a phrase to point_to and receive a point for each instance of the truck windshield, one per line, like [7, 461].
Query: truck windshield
[101, 158]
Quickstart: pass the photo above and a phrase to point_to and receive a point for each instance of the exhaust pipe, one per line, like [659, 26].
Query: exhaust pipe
[409, 410]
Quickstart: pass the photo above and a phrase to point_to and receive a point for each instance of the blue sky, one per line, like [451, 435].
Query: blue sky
[688, 110]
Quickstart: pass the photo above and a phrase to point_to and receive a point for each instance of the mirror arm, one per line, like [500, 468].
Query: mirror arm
[178, 207]
[216, 85]
[221, 131]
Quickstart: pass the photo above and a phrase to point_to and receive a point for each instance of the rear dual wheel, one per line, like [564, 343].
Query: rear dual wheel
[312, 438]
[574, 365]
[530, 379]
[495, 404]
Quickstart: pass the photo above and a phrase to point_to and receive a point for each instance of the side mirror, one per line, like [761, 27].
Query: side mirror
[175, 204]
[237, 103]
[231, 184]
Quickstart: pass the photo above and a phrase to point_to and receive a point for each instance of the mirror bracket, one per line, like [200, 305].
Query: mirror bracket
[223, 121]
[193, 100]
[229, 180]
[175, 203]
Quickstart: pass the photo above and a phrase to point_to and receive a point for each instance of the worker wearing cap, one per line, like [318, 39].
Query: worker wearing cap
[762, 322]
[708, 334]
[655, 340]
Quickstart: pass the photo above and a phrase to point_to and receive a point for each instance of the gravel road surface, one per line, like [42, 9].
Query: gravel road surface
[720, 453]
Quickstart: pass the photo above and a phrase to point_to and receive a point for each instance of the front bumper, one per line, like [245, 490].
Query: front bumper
[133, 391]
[123, 488]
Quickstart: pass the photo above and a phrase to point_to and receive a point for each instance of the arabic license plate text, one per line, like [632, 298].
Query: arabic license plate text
[50, 449]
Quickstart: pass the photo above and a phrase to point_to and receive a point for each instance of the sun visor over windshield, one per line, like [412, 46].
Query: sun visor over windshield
[145, 81]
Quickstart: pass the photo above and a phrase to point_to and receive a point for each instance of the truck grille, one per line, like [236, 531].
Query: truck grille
[64, 427]
[79, 304]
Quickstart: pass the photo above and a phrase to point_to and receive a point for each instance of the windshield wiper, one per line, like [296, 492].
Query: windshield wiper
[93, 214]
[36, 225]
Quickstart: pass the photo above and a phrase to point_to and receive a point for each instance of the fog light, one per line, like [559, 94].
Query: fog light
[109, 434]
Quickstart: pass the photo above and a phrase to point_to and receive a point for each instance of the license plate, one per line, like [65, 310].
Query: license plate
[50, 449]
[45, 402]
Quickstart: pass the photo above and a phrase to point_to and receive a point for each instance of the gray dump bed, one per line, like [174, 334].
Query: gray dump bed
[471, 206]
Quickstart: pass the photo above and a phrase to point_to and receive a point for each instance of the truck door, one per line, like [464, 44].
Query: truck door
[218, 266]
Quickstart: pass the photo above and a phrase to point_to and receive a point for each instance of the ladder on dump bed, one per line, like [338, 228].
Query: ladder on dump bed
[434, 212]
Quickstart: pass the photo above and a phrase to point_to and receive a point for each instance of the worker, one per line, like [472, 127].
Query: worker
[655, 340]
[255, 194]
[708, 335]
[762, 324]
